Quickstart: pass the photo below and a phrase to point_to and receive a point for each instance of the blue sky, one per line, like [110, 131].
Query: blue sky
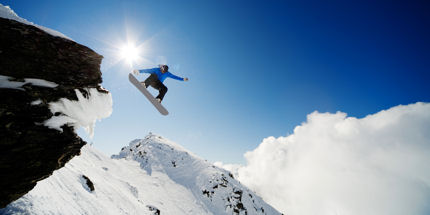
[256, 69]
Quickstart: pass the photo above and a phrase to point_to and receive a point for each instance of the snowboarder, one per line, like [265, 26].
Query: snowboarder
[155, 80]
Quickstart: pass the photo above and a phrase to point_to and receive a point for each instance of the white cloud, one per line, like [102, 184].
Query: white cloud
[334, 164]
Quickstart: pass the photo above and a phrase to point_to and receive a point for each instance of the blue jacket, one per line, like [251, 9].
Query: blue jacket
[161, 76]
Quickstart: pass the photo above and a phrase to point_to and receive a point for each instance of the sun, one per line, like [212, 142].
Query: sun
[129, 52]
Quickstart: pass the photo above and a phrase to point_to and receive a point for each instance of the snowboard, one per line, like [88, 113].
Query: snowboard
[147, 94]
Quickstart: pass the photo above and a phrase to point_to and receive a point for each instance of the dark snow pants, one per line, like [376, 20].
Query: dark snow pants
[153, 81]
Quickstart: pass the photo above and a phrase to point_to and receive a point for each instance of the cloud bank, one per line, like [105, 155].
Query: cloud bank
[334, 164]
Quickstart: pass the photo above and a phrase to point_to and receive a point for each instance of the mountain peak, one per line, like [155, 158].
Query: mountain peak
[214, 186]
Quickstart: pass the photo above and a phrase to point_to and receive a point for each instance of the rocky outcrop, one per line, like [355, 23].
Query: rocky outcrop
[30, 151]
[88, 183]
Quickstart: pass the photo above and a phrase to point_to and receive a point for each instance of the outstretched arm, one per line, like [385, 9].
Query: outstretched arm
[177, 77]
[153, 70]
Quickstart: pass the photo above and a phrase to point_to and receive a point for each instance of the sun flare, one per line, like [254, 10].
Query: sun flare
[129, 52]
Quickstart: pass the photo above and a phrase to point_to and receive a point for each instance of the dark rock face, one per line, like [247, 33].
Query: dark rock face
[153, 209]
[89, 183]
[30, 151]
[28, 52]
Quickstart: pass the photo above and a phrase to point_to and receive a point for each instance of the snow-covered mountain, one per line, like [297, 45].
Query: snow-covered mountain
[150, 176]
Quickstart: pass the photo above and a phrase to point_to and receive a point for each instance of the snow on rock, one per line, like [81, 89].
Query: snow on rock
[36, 102]
[5, 82]
[7, 13]
[83, 112]
[40, 82]
[150, 176]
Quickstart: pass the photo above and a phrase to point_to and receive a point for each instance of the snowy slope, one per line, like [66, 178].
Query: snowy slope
[150, 176]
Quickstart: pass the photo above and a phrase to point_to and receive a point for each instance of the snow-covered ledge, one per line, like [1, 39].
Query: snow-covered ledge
[82, 112]
[5, 82]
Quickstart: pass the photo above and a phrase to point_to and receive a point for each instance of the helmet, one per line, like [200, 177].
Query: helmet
[164, 67]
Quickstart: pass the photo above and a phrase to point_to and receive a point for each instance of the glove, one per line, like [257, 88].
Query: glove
[136, 72]
[185, 79]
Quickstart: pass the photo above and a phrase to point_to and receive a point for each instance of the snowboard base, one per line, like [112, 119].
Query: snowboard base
[147, 94]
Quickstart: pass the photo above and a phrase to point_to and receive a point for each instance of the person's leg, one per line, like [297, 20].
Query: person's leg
[151, 81]
[162, 91]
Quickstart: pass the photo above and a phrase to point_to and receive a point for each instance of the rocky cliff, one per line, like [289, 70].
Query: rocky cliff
[37, 69]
